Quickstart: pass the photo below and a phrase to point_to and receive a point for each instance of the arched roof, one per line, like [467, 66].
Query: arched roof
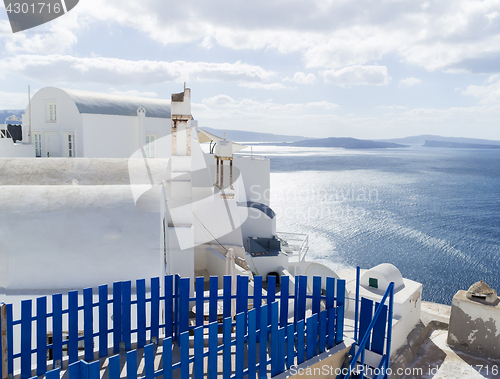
[103, 103]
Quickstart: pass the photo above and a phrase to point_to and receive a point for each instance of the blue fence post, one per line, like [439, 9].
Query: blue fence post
[103, 321]
[184, 338]
[257, 298]
[316, 301]
[212, 350]
[389, 323]
[117, 317]
[301, 297]
[226, 350]
[274, 340]
[41, 339]
[252, 344]
[149, 361]
[53, 374]
[365, 319]
[330, 342]
[226, 296]
[330, 292]
[300, 341]
[200, 284]
[213, 298]
[25, 339]
[88, 324]
[378, 335]
[114, 367]
[271, 295]
[169, 306]
[167, 358]
[127, 314]
[323, 327]
[73, 326]
[281, 349]
[263, 341]
[177, 298]
[240, 340]
[312, 336]
[183, 305]
[339, 322]
[155, 310]
[242, 299]
[132, 364]
[141, 312]
[198, 352]
[285, 285]
[57, 330]
[290, 345]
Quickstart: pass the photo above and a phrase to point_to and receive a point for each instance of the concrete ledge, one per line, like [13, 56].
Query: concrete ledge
[321, 366]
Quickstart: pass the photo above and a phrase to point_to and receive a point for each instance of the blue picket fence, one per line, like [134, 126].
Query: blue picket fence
[120, 319]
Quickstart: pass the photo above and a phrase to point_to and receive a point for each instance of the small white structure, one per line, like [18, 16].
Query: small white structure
[74, 123]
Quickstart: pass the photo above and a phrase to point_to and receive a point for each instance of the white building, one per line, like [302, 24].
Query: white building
[73, 123]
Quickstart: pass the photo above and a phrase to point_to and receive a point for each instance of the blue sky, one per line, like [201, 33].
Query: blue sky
[318, 68]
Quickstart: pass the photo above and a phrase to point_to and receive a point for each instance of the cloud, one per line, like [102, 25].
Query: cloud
[301, 78]
[486, 94]
[133, 92]
[358, 75]
[408, 82]
[267, 86]
[13, 100]
[323, 104]
[70, 69]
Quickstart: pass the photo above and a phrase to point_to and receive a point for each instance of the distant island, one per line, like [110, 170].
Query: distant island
[459, 145]
[346, 143]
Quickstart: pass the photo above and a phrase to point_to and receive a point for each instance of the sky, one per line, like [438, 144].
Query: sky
[317, 68]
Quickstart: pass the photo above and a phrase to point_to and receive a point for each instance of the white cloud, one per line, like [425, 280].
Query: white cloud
[70, 69]
[301, 78]
[408, 82]
[133, 92]
[489, 93]
[323, 104]
[267, 86]
[358, 75]
[12, 100]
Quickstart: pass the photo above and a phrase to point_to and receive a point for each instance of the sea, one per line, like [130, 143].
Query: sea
[432, 212]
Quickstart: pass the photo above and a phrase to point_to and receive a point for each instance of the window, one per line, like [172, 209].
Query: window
[373, 282]
[38, 144]
[51, 112]
[150, 148]
[71, 145]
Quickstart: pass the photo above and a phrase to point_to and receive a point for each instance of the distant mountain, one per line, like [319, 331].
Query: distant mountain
[245, 136]
[9, 112]
[420, 140]
[346, 143]
[458, 145]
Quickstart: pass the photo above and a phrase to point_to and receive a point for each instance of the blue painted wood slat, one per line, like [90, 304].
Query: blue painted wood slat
[73, 326]
[263, 342]
[240, 353]
[212, 350]
[57, 329]
[284, 295]
[271, 295]
[25, 339]
[226, 296]
[41, 332]
[131, 364]
[114, 367]
[117, 316]
[183, 305]
[226, 350]
[290, 345]
[316, 294]
[184, 339]
[323, 330]
[149, 361]
[365, 318]
[141, 312]
[53, 374]
[10, 340]
[300, 341]
[155, 310]
[252, 343]
[330, 292]
[281, 350]
[200, 284]
[274, 339]
[167, 358]
[257, 298]
[103, 321]
[169, 306]
[378, 335]
[127, 314]
[312, 336]
[214, 287]
[301, 297]
[198, 352]
[339, 321]
[88, 324]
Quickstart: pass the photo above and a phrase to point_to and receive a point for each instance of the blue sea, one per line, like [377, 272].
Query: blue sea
[433, 213]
